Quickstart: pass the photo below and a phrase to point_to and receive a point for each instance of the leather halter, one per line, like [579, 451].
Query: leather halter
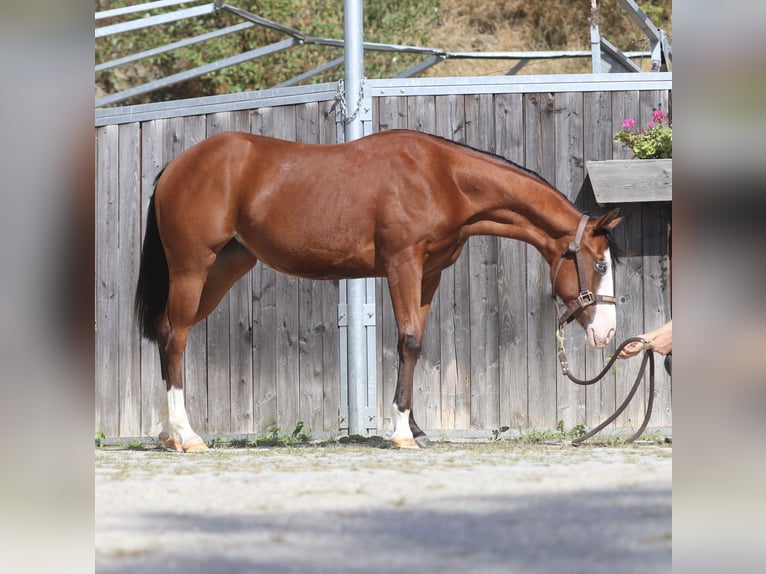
[586, 297]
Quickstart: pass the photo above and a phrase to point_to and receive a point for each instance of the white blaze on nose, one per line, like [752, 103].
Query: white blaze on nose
[602, 327]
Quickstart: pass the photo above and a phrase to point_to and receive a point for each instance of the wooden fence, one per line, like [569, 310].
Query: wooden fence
[270, 353]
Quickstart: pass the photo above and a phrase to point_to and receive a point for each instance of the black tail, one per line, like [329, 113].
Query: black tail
[152, 287]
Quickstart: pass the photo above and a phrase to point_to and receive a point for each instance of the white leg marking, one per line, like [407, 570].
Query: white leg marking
[176, 425]
[401, 424]
[601, 329]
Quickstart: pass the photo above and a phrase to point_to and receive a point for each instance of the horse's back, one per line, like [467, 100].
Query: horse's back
[315, 209]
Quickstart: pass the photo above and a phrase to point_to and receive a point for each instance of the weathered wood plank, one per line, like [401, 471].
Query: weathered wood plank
[240, 327]
[129, 232]
[454, 312]
[288, 352]
[539, 148]
[511, 277]
[329, 298]
[482, 251]
[421, 117]
[181, 135]
[655, 224]
[568, 123]
[310, 333]
[107, 282]
[597, 141]
[629, 181]
[218, 335]
[629, 274]
[391, 114]
[625, 106]
[264, 317]
[153, 392]
[310, 316]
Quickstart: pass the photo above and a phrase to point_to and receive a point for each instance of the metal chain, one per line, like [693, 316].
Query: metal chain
[340, 99]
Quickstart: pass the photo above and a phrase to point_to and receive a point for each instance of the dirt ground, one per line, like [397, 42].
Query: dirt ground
[495, 507]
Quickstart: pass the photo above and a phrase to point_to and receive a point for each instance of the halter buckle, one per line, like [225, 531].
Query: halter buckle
[586, 298]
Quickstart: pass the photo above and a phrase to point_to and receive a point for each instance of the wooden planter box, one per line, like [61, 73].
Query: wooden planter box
[631, 180]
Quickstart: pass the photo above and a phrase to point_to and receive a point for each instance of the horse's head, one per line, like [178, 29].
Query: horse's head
[583, 278]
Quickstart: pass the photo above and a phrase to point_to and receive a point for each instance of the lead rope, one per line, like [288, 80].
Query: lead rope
[648, 358]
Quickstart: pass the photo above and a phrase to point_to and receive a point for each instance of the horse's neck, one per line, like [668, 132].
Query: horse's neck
[512, 203]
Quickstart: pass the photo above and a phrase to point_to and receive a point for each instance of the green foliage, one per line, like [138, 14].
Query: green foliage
[272, 437]
[394, 21]
[654, 142]
[375, 441]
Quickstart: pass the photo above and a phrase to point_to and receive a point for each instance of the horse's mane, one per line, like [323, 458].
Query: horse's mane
[615, 250]
[501, 159]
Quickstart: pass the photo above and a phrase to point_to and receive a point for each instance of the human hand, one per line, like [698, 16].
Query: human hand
[660, 341]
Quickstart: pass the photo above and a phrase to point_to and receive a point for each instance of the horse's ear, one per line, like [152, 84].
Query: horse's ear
[609, 220]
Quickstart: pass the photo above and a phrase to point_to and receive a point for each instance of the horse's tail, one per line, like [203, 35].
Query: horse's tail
[152, 288]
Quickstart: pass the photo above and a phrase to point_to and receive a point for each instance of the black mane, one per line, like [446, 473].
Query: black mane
[615, 250]
[502, 159]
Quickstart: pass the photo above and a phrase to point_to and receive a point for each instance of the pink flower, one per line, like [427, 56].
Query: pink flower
[658, 116]
[629, 123]
[651, 125]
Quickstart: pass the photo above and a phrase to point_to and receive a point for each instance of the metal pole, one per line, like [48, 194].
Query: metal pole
[595, 39]
[354, 129]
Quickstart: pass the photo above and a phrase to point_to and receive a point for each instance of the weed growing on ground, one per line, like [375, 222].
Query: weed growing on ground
[274, 436]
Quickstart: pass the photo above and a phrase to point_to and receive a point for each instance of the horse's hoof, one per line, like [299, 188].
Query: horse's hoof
[195, 445]
[408, 443]
[170, 443]
[422, 441]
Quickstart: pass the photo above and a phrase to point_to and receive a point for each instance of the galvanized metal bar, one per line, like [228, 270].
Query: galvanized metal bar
[517, 66]
[386, 87]
[418, 68]
[667, 52]
[355, 288]
[219, 103]
[154, 20]
[195, 72]
[146, 6]
[595, 38]
[643, 21]
[375, 46]
[537, 55]
[265, 22]
[617, 56]
[648, 27]
[520, 84]
[174, 46]
[370, 320]
[318, 70]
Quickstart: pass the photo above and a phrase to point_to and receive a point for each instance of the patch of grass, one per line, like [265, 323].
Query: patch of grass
[273, 437]
[560, 436]
[376, 441]
[134, 445]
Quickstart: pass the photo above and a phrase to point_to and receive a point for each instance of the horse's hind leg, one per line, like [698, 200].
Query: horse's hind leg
[192, 297]
[231, 263]
[180, 315]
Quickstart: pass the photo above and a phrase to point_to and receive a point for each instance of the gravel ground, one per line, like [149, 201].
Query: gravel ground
[454, 508]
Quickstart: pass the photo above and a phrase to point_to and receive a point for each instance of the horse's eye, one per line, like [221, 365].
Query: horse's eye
[602, 266]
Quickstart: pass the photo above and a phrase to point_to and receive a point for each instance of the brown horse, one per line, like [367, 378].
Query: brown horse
[397, 204]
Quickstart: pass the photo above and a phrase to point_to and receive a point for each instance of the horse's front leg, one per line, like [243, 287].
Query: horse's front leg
[411, 298]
